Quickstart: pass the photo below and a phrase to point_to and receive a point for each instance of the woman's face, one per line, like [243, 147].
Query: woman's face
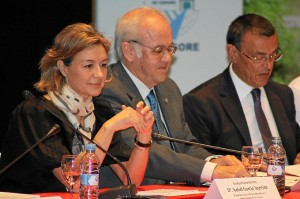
[87, 72]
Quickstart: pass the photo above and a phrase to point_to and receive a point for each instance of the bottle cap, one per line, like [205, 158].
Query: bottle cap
[90, 147]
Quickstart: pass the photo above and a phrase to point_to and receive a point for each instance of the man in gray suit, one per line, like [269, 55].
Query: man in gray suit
[144, 45]
[221, 111]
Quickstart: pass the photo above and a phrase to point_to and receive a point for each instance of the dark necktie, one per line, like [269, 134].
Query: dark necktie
[159, 125]
[261, 119]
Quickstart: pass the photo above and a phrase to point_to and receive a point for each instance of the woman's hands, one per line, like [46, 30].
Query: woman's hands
[141, 119]
[147, 120]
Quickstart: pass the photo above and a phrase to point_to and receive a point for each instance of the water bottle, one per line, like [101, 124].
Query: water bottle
[89, 173]
[276, 164]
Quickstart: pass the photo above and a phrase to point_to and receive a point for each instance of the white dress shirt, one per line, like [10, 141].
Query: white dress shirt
[245, 97]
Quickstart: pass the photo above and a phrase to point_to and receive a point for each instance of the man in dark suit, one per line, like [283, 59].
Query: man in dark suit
[221, 111]
[144, 45]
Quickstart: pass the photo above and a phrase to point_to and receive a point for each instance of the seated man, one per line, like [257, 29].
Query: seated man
[144, 45]
[222, 112]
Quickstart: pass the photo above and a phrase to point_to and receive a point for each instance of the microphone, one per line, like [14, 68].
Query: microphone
[54, 130]
[125, 191]
[164, 137]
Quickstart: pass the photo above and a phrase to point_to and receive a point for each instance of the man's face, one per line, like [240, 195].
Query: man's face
[149, 66]
[255, 73]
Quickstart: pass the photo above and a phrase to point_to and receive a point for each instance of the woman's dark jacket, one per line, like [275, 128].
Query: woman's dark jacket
[31, 120]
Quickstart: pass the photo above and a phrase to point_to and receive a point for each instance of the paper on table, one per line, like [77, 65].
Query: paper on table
[169, 192]
[290, 181]
[261, 174]
[8, 195]
[293, 169]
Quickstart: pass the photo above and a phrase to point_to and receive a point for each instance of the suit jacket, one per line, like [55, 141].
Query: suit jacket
[215, 115]
[185, 164]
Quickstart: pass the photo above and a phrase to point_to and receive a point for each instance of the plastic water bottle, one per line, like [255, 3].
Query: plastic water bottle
[276, 164]
[89, 176]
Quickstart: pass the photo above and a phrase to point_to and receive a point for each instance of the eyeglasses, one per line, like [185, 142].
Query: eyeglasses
[276, 56]
[159, 50]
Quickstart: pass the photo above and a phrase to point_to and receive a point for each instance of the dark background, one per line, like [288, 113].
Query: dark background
[27, 28]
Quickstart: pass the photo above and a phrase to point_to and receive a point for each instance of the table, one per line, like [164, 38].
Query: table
[65, 195]
[291, 195]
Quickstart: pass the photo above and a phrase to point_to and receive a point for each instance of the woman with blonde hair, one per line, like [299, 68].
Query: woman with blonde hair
[73, 71]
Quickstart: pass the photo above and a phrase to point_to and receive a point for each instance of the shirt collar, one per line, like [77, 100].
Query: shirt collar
[241, 87]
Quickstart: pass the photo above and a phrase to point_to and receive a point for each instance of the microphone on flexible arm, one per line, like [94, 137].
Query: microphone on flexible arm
[54, 130]
[164, 137]
[125, 191]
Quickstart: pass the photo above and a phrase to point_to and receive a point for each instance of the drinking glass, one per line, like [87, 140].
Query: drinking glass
[252, 157]
[70, 170]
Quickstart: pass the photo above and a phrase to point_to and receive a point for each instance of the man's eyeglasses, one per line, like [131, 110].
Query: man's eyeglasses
[276, 56]
[159, 50]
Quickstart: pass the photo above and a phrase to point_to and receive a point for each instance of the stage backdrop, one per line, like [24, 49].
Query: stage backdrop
[199, 29]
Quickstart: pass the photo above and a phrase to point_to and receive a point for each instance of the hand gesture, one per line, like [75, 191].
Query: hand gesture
[141, 119]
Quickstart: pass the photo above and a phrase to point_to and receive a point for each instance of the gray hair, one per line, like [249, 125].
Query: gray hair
[130, 26]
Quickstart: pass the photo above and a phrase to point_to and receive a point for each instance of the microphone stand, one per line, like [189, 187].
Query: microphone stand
[163, 137]
[125, 191]
[54, 130]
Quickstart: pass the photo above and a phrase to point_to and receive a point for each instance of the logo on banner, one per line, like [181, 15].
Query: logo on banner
[182, 16]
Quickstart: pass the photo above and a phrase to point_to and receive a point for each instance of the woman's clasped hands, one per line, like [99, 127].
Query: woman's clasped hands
[141, 119]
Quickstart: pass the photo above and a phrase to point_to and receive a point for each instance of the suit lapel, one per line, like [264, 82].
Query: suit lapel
[232, 106]
[132, 91]
[167, 111]
[163, 101]
[279, 114]
[166, 102]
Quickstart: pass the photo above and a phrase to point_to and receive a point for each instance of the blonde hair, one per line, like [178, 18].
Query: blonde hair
[71, 40]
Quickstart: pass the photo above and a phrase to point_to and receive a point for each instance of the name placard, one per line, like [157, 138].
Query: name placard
[241, 188]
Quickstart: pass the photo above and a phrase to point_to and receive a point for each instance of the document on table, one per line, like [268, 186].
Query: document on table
[293, 169]
[290, 180]
[8, 195]
[170, 192]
